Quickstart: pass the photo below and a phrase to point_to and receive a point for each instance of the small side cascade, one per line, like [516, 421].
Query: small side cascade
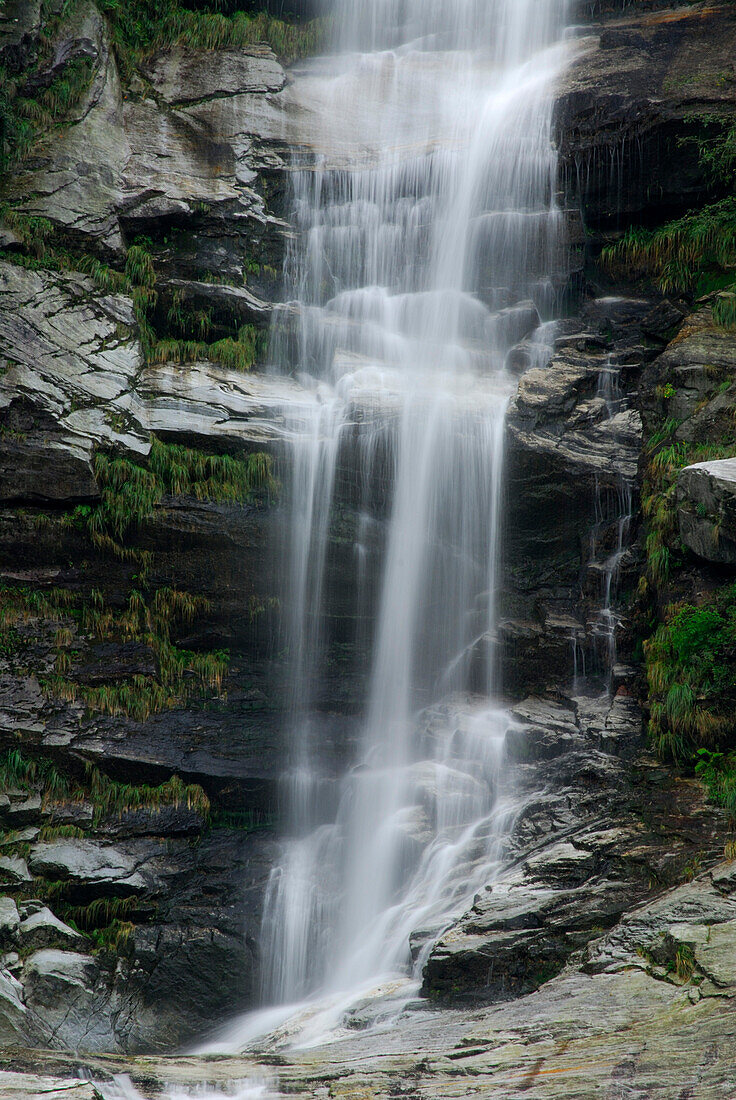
[610, 537]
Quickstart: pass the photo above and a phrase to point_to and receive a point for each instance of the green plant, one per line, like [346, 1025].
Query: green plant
[140, 27]
[691, 672]
[717, 770]
[684, 962]
[683, 255]
[112, 798]
[99, 914]
[115, 937]
[237, 354]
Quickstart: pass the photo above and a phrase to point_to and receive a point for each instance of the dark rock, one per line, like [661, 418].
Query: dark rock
[102, 662]
[632, 97]
[599, 838]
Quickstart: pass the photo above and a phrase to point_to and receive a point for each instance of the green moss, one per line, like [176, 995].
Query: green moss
[691, 672]
[717, 770]
[99, 914]
[20, 772]
[138, 28]
[131, 491]
[61, 832]
[181, 675]
[23, 119]
[111, 798]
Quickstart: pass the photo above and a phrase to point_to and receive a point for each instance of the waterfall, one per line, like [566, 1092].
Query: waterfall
[427, 244]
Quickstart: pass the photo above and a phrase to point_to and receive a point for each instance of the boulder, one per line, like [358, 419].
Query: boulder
[588, 842]
[706, 501]
[573, 440]
[72, 355]
[15, 1026]
[76, 381]
[75, 181]
[26, 810]
[61, 993]
[44, 929]
[14, 871]
[101, 869]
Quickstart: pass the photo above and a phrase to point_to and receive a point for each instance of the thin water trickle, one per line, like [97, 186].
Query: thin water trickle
[616, 521]
[428, 244]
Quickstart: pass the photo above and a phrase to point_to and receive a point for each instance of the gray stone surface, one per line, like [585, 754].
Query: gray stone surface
[616, 1023]
[13, 871]
[60, 989]
[181, 77]
[574, 434]
[75, 380]
[99, 867]
[9, 923]
[197, 134]
[15, 1025]
[43, 929]
[706, 498]
[25, 1086]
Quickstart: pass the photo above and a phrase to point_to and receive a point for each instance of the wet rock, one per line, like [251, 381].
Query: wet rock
[43, 929]
[9, 924]
[188, 150]
[69, 363]
[14, 871]
[574, 435]
[59, 991]
[76, 180]
[20, 23]
[24, 810]
[15, 1025]
[101, 869]
[630, 100]
[226, 304]
[583, 850]
[76, 381]
[105, 661]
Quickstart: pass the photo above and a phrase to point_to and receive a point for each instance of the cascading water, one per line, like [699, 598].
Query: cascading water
[614, 517]
[428, 243]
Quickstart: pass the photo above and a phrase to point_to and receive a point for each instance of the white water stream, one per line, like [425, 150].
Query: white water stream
[428, 243]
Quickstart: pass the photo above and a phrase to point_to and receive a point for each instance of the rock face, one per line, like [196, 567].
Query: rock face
[641, 90]
[175, 149]
[75, 380]
[605, 833]
[690, 388]
[573, 444]
[647, 1008]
